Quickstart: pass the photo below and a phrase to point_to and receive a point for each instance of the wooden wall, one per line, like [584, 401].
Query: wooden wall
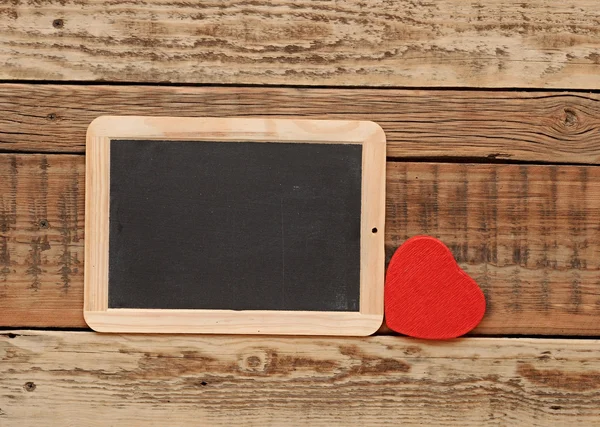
[493, 128]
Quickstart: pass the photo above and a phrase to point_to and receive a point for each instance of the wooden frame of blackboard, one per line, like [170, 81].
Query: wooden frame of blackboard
[260, 130]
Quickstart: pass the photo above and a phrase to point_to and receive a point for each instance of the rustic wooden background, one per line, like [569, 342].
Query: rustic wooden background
[493, 125]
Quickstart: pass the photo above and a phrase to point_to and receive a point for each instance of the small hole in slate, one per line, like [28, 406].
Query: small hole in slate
[58, 23]
[374, 230]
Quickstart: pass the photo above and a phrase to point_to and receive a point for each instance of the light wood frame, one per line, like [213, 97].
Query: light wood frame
[372, 258]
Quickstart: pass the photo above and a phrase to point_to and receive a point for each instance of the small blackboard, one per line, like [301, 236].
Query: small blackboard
[241, 226]
[234, 226]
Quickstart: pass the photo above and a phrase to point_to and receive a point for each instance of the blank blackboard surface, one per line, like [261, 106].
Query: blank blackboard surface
[234, 225]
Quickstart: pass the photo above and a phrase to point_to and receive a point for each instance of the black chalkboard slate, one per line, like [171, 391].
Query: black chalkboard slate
[234, 225]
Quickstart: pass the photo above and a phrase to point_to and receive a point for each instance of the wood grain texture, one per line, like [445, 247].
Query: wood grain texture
[83, 378]
[527, 234]
[41, 240]
[498, 43]
[541, 127]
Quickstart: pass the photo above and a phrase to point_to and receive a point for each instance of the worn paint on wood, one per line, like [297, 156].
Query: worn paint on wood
[527, 234]
[497, 43]
[60, 378]
[489, 126]
[41, 240]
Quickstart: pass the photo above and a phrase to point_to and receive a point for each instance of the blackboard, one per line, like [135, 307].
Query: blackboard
[235, 225]
[234, 229]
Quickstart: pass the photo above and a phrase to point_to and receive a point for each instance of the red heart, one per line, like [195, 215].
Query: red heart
[427, 295]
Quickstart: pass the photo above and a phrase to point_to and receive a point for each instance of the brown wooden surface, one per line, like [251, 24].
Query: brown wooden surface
[82, 378]
[41, 240]
[540, 127]
[495, 43]
[528, 235]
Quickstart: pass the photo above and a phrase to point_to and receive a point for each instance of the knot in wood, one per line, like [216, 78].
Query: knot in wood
[256, 361]
[570, 118]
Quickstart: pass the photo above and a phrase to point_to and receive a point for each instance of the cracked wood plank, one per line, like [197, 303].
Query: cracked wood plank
[496, 43]
[62, 378]
[527, 234]
[482, 125]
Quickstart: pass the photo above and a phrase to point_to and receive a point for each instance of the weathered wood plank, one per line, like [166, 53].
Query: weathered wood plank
[544, 127]
[498, 43]
[528, 234]
[41, 240]
[67, 378]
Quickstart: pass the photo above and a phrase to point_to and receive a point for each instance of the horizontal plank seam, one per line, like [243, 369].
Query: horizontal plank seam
[4, 151]
[487, 160]
[14, 331]
[293, 86]
[406, 159]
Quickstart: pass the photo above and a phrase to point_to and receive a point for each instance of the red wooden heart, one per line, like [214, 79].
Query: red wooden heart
[427, 295]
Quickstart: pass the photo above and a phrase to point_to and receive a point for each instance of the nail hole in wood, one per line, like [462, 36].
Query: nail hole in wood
[58, 23]
[44, 223]
[374, 230]
[11, 335]
[51, 116]
[29, 386]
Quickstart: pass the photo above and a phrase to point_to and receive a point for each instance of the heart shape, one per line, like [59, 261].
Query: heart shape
[427, 295]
